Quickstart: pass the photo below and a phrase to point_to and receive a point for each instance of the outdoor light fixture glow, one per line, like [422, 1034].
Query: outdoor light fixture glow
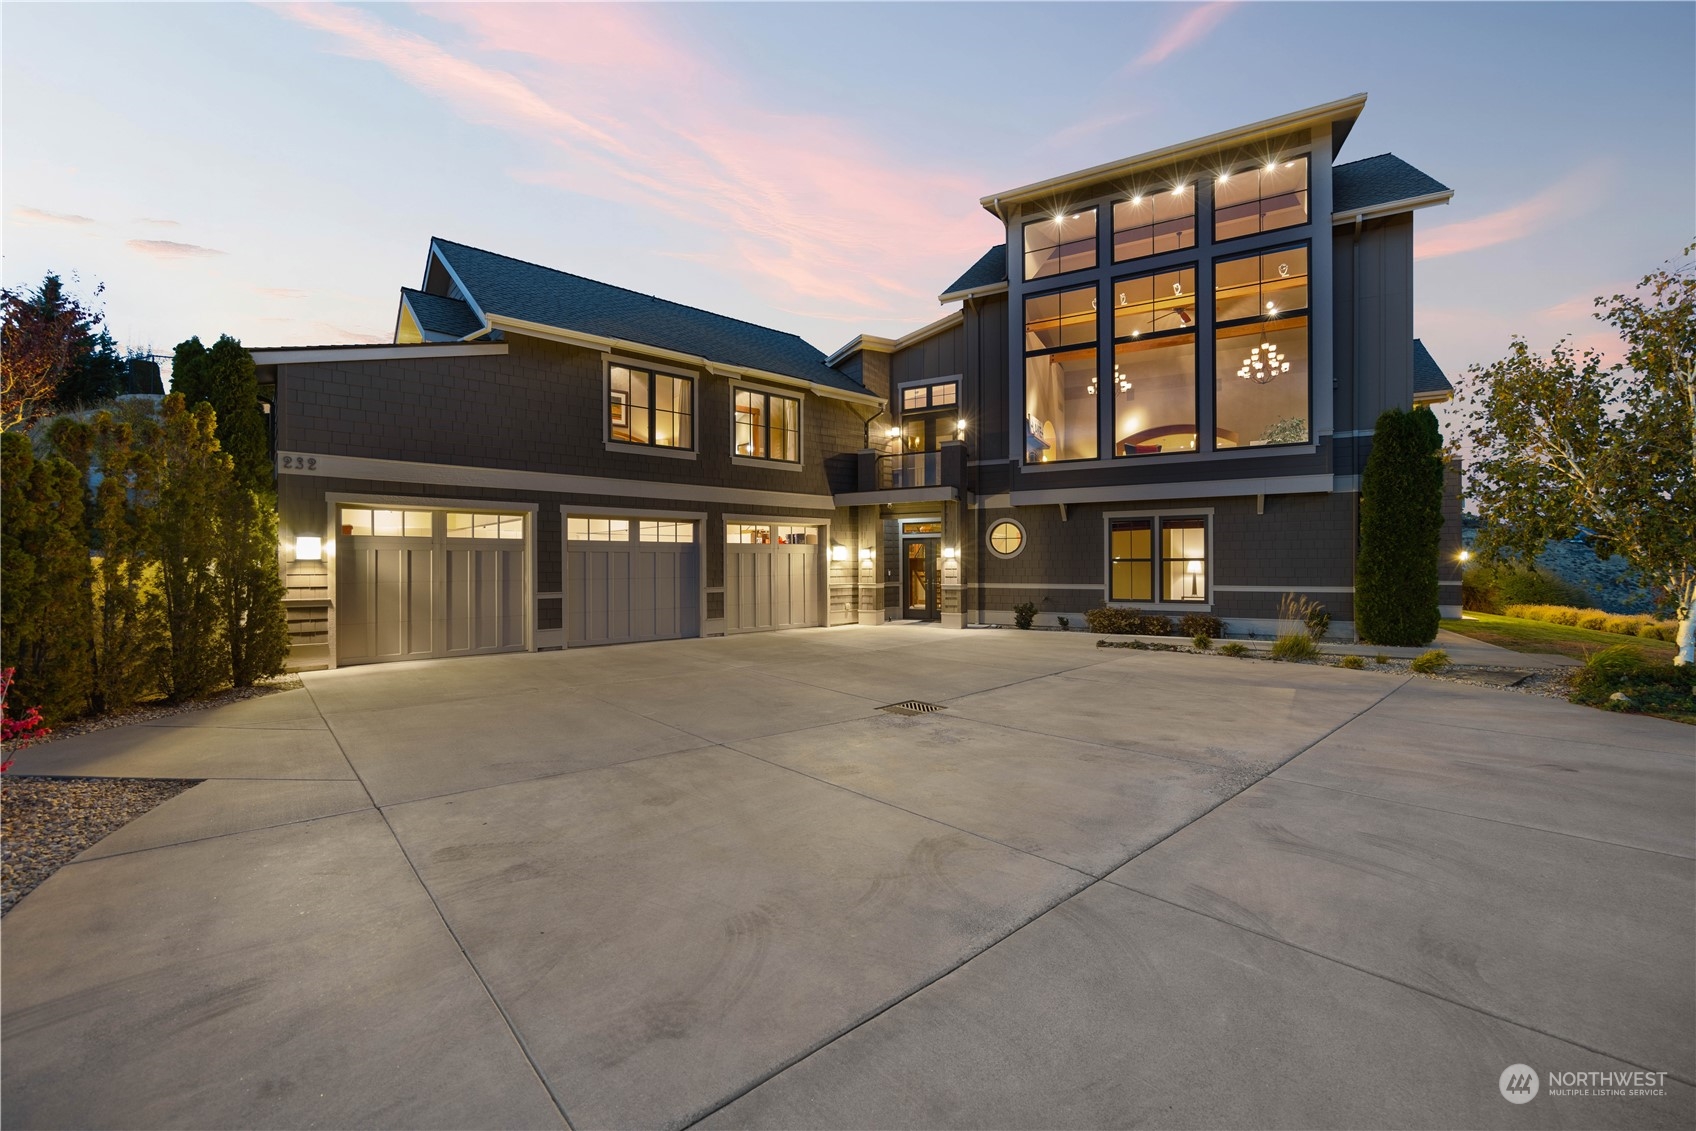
[960, 425]
[838, 553]
[1466, 555]
[894, 431]
[308, 549]
[950, 552]
[867, 555]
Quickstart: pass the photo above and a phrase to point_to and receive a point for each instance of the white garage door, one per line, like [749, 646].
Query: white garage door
[416, 584]
[771, 577]
[630, 579]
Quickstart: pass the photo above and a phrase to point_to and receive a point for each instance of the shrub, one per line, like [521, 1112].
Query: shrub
[1233, 648]
[1318, 622]
[1659, 688]
[1401, 522]
[1594, 621]
[1127, 622]
[1294, 646]
[1200, 624]
[16, 732]
[1430, 663]
[1065, 623]
[1380, 658]
[1490, 587]
[1024, 615]
[1202, 641]
[1353, 663]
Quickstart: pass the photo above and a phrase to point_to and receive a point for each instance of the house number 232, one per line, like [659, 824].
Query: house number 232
[305, 463]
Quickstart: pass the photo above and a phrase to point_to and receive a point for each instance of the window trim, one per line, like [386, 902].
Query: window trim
[1305, 313]
[1024, 244]
[989, 539]
[1158, 606]
[1194, 331]
[1213, 223]
[634, 447]
[796, 395]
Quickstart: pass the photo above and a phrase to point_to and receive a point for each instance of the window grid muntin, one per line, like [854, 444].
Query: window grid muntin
[664, 530]
[479, 525]
[767, 426]
[1167, 574]
[1281, 321]
[1256, 205]
[593, 529]
[770, 534]
[1050, 234]
[1167, 229]
[1006, 538]
[655, 404]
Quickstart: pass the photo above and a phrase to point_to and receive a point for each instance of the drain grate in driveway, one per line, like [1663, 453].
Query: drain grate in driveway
[912, 707]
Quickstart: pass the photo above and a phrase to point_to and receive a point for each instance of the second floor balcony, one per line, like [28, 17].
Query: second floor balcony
[890, 477]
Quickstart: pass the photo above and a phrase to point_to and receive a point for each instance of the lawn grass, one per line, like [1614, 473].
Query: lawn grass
[1557, 639]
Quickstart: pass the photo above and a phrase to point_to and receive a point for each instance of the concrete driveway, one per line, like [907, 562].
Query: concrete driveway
[658, 884]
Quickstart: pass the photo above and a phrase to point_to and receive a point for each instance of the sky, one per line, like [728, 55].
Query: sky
[275, 171]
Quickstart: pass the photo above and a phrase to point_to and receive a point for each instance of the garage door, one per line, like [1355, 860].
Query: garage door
[417, 584]
[771, 577]
[630, 579]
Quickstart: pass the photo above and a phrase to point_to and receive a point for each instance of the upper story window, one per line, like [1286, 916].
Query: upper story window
[917, 398]
[1061, 243]
[656, 409]
[768, 426]
[930, 415]
[1157, 222]
[1061, 411]
[1261, 199]
[1261, 349]
[1154, 363]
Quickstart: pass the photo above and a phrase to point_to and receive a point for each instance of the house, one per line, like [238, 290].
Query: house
[1158, 391]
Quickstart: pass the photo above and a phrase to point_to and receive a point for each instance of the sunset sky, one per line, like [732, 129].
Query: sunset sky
[276, 171]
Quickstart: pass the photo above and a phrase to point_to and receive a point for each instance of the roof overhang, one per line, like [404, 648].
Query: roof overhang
[973, 292]
[1390, 208]
[310, 355]
[465, 291]
[871, 343]
[1438, 396]
[719, 368]
[1344, 110]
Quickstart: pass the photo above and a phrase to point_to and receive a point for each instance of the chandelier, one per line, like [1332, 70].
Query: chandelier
[1263, 363]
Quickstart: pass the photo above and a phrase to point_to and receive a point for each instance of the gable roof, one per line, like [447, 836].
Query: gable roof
[989, 271]
[1429, 382]
[1376, 181]
[440, 314]
[528, 292]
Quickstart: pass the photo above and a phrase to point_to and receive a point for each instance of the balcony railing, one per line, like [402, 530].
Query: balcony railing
[909, 469]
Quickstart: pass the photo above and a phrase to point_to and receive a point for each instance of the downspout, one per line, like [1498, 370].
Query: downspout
[1354, 427]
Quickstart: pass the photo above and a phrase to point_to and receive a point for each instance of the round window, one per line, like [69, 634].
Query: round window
[1006, 538]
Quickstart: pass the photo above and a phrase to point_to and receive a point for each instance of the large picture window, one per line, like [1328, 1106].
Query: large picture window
[1261, 349]
[1059, 244]
[1157, 560]
[1260, 199]
[656, 409]
[1154, 364]
[768, 426]
[1154, 223]
[1060, 377]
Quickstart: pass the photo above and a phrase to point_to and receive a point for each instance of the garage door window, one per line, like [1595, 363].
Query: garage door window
[386, 523]
[598, 529]
[461, 525]
[759, 534]
[647, 531]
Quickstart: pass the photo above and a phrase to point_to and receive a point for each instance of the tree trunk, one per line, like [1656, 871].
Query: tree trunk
[1686, 626]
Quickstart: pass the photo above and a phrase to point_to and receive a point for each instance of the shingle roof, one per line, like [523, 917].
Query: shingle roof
[502, 285]
[1428, 378]
[440, 314]
[1378, 180]
[991, 268]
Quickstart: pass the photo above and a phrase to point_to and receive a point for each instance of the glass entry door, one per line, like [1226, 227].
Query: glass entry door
[919, 578]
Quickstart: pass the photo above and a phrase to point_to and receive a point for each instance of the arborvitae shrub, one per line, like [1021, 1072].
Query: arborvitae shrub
[1401, 522]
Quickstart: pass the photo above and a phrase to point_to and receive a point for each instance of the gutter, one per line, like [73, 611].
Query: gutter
[974, 292]
[1390, 208]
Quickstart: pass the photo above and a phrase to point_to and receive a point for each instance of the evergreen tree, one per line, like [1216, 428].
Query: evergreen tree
[44, 571]
[1401, 523]
[250, 589]
[192, 474]
[224, 378]
[128, 630]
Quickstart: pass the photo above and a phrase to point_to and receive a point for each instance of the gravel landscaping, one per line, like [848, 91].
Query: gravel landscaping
[49, 821]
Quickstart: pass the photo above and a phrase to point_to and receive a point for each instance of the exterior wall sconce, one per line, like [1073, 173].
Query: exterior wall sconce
[867, 556]
[308, 549]
[894, 431]
[838, 552]
[950, 552]
[1465, 555]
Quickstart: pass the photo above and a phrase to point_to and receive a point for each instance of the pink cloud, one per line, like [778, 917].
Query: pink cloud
[42, 216]
[1193, 27]
[1560, 201]
[802, 206]
[171, 249]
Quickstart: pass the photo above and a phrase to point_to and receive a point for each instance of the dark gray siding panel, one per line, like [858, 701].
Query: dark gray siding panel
[937, 356]
[1374, 325]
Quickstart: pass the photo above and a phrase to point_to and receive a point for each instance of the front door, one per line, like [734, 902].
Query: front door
[919, 582]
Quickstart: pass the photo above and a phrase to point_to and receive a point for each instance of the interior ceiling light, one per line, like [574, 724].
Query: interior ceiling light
[1271, 166]
[1137, 199]
[1263, 364]
[1179, 191]
[1223, 177]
